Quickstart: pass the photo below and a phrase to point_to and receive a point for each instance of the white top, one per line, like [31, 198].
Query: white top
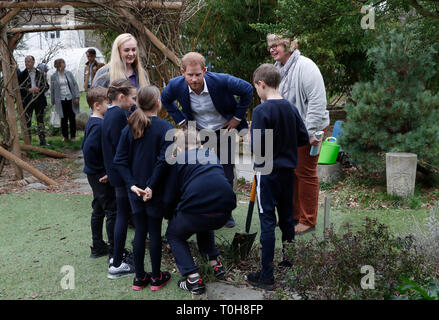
[32, 78]
[64, 86]
[204, 111]
[90, 67]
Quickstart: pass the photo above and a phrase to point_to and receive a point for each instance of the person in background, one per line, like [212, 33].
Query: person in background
[33, 86]
[64, 93]
[302, 84]
[91, 67]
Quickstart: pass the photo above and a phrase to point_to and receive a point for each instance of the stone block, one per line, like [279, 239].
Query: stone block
[329, 173]
[36, 186]
[401, 173]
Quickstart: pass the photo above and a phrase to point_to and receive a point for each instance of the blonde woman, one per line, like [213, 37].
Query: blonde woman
[124, 64]
[302, 85]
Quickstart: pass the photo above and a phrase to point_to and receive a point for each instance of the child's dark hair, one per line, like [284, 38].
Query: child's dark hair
[96, 94]
[119, 86]
[147, 98]
[269, 74]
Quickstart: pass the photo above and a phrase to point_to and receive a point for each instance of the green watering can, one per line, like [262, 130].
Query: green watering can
[329, 151]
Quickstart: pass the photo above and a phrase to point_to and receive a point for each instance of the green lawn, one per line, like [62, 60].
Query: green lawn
[42, 232]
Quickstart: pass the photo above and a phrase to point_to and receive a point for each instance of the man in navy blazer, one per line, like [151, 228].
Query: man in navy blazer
[209, 99]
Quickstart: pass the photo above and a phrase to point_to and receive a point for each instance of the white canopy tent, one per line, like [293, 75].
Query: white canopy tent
[75, 61]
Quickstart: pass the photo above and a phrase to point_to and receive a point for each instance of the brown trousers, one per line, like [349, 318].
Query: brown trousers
[306, 187]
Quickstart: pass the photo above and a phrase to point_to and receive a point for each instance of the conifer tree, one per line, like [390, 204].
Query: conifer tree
[394, 112]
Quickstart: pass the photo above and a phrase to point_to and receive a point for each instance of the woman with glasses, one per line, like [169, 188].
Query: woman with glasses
[302, 85]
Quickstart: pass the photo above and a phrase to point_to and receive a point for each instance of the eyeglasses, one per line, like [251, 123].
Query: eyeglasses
[273, 46]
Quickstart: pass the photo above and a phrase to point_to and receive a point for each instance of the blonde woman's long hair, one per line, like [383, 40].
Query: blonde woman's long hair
[117, 65]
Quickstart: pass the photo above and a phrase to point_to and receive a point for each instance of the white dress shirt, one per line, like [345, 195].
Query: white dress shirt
[204, 111]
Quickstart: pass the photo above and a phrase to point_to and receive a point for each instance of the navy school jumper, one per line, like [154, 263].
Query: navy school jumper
[142, 162]
[289, 131]
[92, 148]
[203, 200]
[114, 121]
[198, 188]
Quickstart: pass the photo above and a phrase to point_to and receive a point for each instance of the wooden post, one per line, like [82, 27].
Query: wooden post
[21, 164]
[50, 153]
[326, 217]
[20, 109]
[10, 102]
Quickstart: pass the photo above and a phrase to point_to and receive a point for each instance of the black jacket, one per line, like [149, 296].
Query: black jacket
[25, 84]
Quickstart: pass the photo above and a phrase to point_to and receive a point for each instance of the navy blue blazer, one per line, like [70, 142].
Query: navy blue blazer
[222, 89]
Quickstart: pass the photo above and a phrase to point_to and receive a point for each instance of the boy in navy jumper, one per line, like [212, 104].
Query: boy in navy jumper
[140, 159]
[275, 188]
[202, 199]
[122, 96]
[104, 198]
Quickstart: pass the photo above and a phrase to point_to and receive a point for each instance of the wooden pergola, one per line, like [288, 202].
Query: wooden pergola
[154, 23]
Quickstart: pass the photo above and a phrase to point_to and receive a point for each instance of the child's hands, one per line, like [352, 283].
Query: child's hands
[138, 191]
[148, 194]
[104, 179]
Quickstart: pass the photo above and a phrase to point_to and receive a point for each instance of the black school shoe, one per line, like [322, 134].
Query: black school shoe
[99, 251]
[139, 284]
[158, 283]
[196, 286]
[256, 280]
[219, 272]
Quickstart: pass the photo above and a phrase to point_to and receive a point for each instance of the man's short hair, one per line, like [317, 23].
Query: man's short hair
[192, 58]
[32, 57]
[96, 94]
[269, 74]
[91, 51]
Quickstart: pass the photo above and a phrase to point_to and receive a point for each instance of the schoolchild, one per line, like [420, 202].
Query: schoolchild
[122, 96]
[274, 188]
[140, 159]
[203, 200]
[104, 198]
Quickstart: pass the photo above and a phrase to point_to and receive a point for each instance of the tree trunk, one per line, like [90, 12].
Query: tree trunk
[50, 153]
[10, 103]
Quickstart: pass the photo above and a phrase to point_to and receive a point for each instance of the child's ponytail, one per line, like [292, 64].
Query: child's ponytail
[120, 86]
[147, 98]
[138, 122]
